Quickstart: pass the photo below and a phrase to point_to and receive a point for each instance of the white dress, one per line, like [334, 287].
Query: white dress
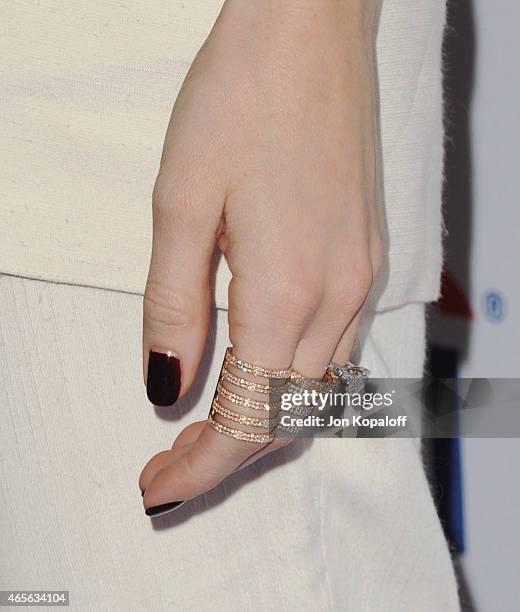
[346, 524]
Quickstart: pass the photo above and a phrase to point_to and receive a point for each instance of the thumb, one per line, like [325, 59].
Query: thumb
[177, 297]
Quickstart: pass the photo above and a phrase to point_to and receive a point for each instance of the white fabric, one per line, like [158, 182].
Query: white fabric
[86, 90]
[324, 525]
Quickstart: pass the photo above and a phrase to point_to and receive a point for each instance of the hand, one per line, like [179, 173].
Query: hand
[271, 153]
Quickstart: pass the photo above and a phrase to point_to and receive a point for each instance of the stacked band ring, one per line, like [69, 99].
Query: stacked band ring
[230, 391]
[232, 405]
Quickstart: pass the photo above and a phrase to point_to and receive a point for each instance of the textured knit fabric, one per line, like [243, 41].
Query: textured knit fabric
[86, 93]
[323, 525]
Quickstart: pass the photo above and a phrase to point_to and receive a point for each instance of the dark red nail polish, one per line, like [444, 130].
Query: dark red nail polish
[163, 383]
[163, 508]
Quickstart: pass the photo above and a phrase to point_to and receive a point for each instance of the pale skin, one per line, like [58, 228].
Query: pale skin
[271, 154]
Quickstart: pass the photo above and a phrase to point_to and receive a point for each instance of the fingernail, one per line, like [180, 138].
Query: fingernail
[163, 508]
[163, 383]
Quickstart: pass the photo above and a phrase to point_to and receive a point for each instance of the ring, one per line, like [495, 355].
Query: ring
[299, 383]
[304, 383]
[237, 433]
[240, 400]
[230, 415]
[249, 368]
[350, 375]
[238, 417]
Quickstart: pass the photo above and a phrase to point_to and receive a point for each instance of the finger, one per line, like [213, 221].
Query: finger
[184, 440]
[265, 329]
[341, 355]
[177, 295]
[320, 341]
[195, 469]
[345, 288]
[314, 363]
[154, 465]
[312, 356]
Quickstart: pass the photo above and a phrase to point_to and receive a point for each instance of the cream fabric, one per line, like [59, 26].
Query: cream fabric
[345, 525]
[86, 90]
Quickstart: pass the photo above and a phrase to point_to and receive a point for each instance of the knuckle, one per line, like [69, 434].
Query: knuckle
[173, 201]
[162, 196]
[296, 295]
[164, 307]
[349, 291]
[282, 305]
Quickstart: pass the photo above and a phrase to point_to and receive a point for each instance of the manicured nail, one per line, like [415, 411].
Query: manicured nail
[163, 383]
[163, 508]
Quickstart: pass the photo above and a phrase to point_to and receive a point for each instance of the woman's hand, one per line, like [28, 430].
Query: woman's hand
[271, 154]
